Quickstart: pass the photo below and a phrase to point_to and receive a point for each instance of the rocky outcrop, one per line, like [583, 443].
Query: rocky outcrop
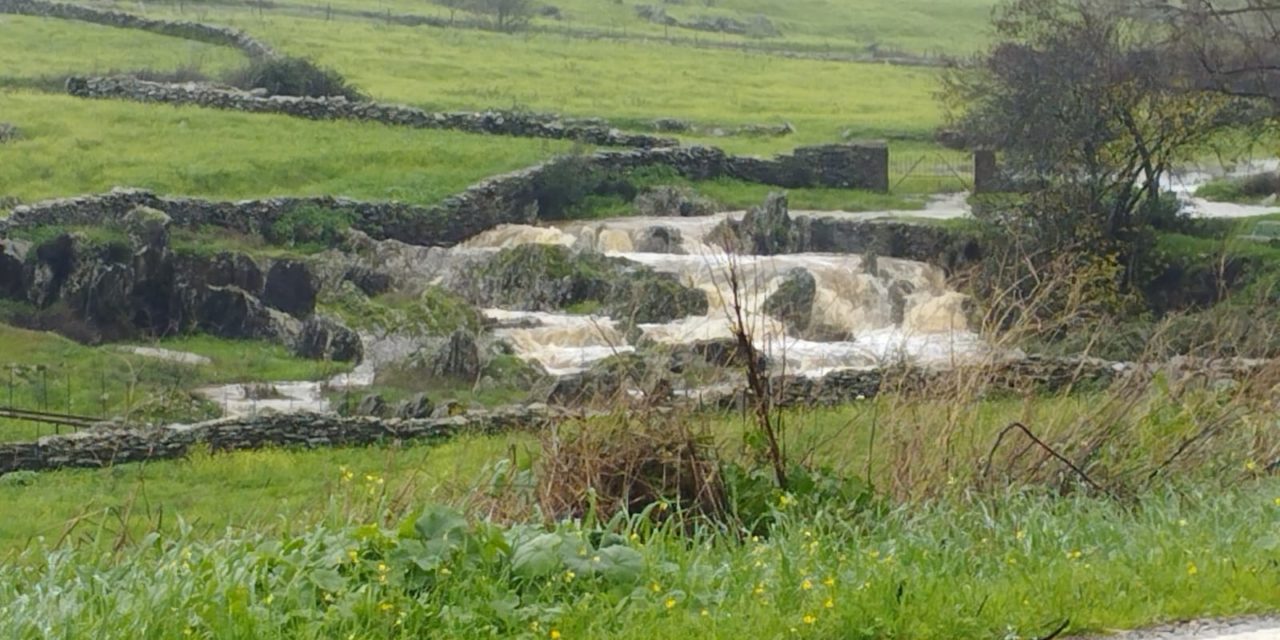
[290, 287]
[660, 239]
[458, 358]
[13, 256]
[792, 302]
[535, 277]
[672, 201]
[505, 123]
[9, 132]
[107, 445]
[418, 406]
[323, 338]
[137, 286]
[765, 230]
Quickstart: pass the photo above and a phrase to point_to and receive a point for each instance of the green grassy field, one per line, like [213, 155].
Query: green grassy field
[628, 83]
[72, 146]
[916, 26]
[36, 47]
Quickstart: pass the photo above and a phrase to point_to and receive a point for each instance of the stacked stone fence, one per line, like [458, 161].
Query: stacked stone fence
[106, 445]
[196, 31]
[112, 444]
[339, 108]
[505, 199]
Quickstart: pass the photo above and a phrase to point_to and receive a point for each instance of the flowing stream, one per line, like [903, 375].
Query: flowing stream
[861, 317]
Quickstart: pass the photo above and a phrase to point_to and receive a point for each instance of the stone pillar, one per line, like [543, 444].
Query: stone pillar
[985, 173]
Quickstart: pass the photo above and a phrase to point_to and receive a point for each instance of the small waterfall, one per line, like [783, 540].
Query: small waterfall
[862, 315]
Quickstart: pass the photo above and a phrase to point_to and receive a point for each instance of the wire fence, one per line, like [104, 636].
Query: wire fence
[930, 172]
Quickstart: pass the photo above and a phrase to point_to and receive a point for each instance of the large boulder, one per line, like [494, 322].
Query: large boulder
[458, 357]
[792, 302]
[536, 277]
[659, 239]
[644, 296]
[291, 288]
[323, 338]
[147, 227]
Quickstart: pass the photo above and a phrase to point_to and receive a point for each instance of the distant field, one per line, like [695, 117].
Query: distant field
[36, 47]
[628, 83]
[916, 26]
[73, 146]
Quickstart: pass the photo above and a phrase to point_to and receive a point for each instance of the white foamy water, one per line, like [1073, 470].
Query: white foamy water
[900, 310]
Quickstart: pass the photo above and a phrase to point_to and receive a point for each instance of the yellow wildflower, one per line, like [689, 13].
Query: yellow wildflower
[705, 613]
[759, 590]
[1250, 465]
[829, 581]
[569, 575]
[829, 604]
[809, 618]
[554, 635]
[806, 585]
[1074, 554]
[385, 607]
[1192, 569]
[671, 602]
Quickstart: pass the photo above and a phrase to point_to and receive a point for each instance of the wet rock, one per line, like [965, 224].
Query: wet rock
[765, 230]
[291, 288]
[899, 292]
[792, 302]
[659, 240]
[419, 406]
[645, 296]
[459, 357]
[535, 277]
[323, 338]
[672, 201]
[372, 404]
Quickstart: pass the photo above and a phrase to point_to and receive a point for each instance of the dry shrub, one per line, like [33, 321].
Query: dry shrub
[654, 463]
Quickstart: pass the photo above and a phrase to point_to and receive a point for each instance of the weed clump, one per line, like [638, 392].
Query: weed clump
[291, 76]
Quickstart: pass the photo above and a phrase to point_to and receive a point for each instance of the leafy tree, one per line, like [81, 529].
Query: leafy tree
[507, 16]
[1077, 96]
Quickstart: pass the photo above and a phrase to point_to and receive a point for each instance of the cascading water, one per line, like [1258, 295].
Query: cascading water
[861, 315]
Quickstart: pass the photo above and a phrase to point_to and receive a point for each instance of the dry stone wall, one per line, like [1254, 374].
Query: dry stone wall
[106, 445]
[339, 108]
[179, 29]
[509, 198]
